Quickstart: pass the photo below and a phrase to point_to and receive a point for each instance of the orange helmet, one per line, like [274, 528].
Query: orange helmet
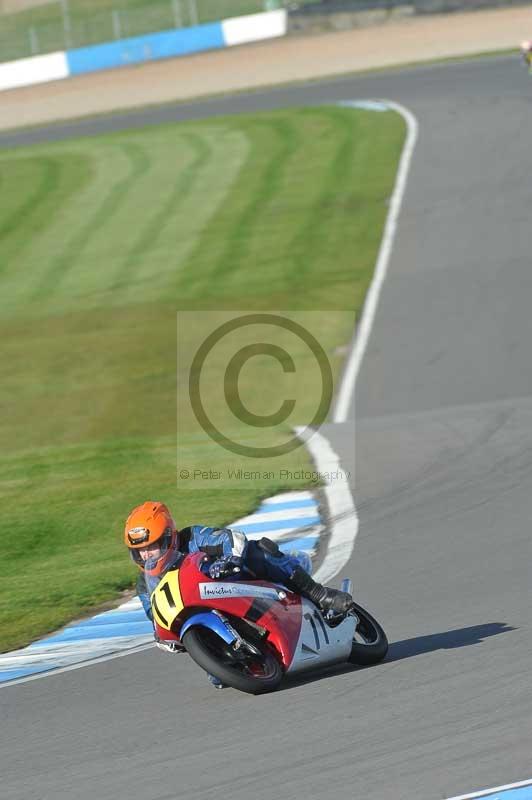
[148, 524]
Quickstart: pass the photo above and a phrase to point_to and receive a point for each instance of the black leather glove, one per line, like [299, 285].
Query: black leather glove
[223, 567]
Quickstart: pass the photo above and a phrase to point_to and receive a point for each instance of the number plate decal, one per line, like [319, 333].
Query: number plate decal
[166, 600]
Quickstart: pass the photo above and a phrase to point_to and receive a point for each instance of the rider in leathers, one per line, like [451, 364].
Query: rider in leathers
[526, 53]
[154, 543]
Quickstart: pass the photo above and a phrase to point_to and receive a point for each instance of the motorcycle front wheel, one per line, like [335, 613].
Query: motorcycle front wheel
[370, 644]
[254, 673]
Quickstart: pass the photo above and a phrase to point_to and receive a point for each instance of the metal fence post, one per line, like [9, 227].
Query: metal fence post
[193, 8]
[178, 19]
[117, 28]
[34, 40]
[67, 25]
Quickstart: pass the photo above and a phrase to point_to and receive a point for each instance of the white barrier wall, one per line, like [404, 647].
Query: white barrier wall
[254, 27]
[39, 69]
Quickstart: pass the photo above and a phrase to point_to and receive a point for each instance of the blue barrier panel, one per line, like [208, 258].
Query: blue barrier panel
[145, 48]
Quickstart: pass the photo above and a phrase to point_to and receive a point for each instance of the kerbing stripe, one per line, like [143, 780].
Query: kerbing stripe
[509, 787]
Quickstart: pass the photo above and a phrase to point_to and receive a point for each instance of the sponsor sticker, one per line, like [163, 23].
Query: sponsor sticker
[224, 590]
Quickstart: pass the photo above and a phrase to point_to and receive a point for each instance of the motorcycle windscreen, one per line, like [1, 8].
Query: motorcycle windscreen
[152, 581]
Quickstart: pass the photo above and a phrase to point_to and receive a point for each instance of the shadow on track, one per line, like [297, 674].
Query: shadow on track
[447, 640]
[408, 648]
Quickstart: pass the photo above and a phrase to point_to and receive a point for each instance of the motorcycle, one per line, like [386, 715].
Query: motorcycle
[251, 633]
[526, 54]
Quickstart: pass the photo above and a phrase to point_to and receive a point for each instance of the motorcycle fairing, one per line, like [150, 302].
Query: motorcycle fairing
[275, 609]
[209, 619]
[318, 643]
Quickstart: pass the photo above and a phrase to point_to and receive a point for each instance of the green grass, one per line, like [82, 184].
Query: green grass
[42, 29]
[102, 241]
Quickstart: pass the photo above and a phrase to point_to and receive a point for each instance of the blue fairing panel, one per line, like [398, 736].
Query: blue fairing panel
[209, 620]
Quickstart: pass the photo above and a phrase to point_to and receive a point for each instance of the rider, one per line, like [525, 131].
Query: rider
[526, 52]
[155, 545]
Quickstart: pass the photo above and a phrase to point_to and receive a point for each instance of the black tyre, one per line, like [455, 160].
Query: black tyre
[370, 644]
[253, 673]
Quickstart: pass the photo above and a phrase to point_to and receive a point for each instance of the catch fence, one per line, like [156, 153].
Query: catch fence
[60, 25]
[67, 24]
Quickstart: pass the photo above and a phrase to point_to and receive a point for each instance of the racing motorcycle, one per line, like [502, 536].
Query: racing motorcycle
[526, 54]
[250, 633]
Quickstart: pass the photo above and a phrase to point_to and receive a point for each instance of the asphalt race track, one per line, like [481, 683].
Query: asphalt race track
[444, 495]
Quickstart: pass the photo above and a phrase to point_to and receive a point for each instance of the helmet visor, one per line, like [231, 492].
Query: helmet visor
[138, 536]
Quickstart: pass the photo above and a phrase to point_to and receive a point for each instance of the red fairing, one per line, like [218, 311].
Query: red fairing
[163, 634]
[281, 618]
[283, 623]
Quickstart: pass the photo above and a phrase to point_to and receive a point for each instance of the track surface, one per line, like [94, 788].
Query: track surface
[444, 478]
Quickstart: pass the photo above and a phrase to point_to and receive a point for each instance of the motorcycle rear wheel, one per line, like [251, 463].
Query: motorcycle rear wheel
[254, 674]
[370, 644]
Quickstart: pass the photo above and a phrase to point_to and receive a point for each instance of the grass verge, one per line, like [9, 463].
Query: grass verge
[102, 241]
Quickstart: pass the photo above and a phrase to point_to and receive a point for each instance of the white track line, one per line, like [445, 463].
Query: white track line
[487, 792]
[347, 386]
[344, 525]
[342, 510]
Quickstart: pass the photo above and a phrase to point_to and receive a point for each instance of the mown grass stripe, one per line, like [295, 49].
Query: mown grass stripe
[50, 178]
[194, 220]
[225, 252]
[88, 167]
[306, 246]
[239, 236]
[154, 228]
[50, 169]
[140, 162]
